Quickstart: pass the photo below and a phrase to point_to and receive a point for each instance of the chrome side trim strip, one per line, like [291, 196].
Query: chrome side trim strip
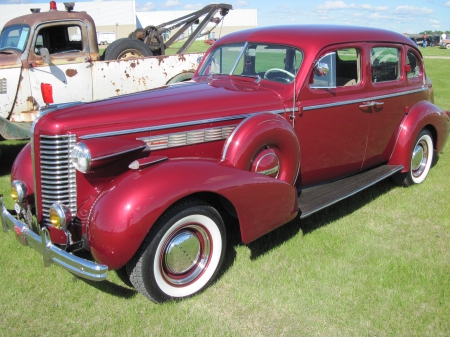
[185, 138]
[371, 98]
[177, 125]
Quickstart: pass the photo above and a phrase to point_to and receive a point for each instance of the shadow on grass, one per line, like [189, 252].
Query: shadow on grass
[317, 220]
[8, 152]
[112, 288]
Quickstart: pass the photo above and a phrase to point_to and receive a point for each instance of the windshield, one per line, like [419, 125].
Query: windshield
[14, 37]
[277, 63]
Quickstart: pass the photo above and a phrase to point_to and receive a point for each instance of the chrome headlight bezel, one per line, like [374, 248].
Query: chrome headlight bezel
[81, 158]
[60, 216]
[20, 189]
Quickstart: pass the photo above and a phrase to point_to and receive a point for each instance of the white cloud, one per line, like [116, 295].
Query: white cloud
[194, 7]
[241, 3]
[147, 7]
[413, 10]
[171, 3]
[447, 4]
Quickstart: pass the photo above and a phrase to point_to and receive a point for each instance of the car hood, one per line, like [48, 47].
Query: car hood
[202, 101]
[10, 59]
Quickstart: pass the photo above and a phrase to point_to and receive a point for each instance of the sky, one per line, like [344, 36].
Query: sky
[402, 16]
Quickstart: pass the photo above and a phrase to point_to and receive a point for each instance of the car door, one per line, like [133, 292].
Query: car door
[332, 128]
[69, 70]
[387, 103]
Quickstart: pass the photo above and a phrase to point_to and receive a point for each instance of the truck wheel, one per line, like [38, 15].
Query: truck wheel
[447, 46]
[181, 254]
[125, 49]
[421, 159]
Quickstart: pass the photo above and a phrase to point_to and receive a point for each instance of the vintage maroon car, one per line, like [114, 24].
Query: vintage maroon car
[278, 122]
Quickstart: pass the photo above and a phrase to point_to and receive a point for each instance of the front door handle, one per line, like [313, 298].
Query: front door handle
[371, 104]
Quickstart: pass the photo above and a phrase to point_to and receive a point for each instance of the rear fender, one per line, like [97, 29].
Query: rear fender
[423, 115]
[128, 207]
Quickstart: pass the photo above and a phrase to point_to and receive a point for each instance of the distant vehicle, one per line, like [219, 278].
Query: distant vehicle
[445, 43]
[210, 41]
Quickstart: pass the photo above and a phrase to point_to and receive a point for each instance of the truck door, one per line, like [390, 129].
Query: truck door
[69, 70]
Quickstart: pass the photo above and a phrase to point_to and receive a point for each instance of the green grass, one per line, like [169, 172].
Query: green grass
[376, 264]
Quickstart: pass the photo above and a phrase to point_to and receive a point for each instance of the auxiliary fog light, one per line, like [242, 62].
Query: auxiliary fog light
[60, 216]
[18, 191]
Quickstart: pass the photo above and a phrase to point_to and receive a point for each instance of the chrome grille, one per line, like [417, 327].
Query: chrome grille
[58, 176]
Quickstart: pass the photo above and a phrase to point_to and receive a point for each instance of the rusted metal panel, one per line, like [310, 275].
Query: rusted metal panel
[113, 78]
[9, 130]
[10, 81]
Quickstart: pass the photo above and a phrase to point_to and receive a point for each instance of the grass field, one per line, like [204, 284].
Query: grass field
[376, 264]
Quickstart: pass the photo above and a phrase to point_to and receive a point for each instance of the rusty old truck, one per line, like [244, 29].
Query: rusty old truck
[53, 57]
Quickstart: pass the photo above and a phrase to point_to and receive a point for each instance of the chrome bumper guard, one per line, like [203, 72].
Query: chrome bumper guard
[51, 253]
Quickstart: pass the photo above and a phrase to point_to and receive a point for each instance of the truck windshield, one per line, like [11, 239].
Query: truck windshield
[277, 63]
[14, 37]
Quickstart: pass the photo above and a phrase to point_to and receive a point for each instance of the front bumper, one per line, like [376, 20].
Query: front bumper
[51, 253]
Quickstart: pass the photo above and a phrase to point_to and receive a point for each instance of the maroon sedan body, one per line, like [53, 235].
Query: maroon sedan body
[277, 122]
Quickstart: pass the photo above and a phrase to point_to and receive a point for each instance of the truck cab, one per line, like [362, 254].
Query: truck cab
[54, 47]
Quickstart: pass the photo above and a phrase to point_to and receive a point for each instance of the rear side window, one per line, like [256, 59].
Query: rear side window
[385, 64]
[414, 65]
[59, 39]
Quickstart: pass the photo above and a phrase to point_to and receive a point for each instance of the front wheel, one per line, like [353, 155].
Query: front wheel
[182, 253]
[421, 159]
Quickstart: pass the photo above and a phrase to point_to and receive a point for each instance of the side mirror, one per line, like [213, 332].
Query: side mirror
[45, 54]
[321, 69]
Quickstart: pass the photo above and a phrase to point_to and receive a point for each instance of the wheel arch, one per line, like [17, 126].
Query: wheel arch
[181, 77]
[115, 235]
[423, 116]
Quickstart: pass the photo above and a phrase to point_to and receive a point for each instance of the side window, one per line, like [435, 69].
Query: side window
[59, 39]
[385, 64]
[341, 68]
[414, 65]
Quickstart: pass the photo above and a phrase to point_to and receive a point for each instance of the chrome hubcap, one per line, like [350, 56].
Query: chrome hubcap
[182, 252]
[185, 255]
[419, 158]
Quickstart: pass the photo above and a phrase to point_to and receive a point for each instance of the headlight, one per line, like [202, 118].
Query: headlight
[60, 216]
[81, 157]
[18, 191]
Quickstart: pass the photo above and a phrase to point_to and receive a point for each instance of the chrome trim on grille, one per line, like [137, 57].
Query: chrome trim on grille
[3, 86]
[178, 125]
[186, 138]
[58, 175]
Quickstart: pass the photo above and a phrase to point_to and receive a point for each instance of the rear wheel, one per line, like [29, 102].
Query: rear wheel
[421, 159]
[125, 49]
[182, 253]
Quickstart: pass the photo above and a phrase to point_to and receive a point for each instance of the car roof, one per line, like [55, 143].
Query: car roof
[318, 35]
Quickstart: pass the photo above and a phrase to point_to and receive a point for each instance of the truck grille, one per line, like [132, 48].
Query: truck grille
[2, 85]
[58, 176]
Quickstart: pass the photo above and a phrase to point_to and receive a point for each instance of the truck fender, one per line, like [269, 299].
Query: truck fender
[423, 115]
[266, 144]
[125, 211]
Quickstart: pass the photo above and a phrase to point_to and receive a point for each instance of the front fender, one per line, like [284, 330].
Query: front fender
[423, 115]
[128, 207]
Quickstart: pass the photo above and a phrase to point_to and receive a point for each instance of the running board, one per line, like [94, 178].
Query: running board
[313, 199]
